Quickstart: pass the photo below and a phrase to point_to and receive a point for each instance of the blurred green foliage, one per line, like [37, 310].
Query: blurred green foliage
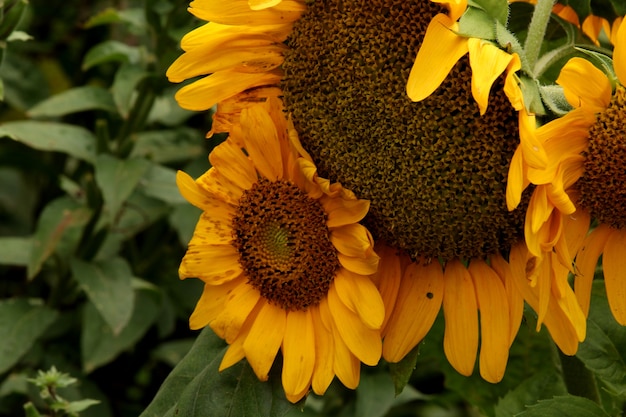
[92, 229]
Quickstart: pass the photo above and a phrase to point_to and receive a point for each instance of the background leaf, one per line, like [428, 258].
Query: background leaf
[51, 136]
[108, 51]
[108, 286]
[22, 322]
[566, 405]
[75, 100]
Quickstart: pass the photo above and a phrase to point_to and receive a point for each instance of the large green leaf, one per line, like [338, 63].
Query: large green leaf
[51, 136]
[15, 250]
[127, 77]
[117, 178]
[567, 405]
[160, 182]
[22, 322]
[195, 387]
[99, 345]
[58, 230]
[108, 51]
[401, 371]
[545, 384]
[108, 286]
[172, 145]
[75, 100]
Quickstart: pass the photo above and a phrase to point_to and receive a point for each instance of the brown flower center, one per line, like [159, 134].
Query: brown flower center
[435, 171]
[603, 184]
[284, 244]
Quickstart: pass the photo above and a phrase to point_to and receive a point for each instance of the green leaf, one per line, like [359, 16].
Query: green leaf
[567, 405]
[543, 385]
[75, 100]
[109, 51]
[108, 286]
[51, 136]
[81, 405]
[22, 322]
[160, 182]
[402, 371]
[127, 77]
[173, 352]
[166, 146]
[477, 23]
[375, 395]
[100, 346]
[15, 250]
[135, 17]
[496, 9]
[117, 179]
[604, 349]
[58, 229]
[196, 388]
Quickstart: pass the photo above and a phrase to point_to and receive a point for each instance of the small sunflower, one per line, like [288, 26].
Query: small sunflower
[342, 69]
[284, 262]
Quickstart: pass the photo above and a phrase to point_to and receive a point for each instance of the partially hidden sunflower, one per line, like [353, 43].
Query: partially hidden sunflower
[435, 170]
[284, 262]
[585, 177]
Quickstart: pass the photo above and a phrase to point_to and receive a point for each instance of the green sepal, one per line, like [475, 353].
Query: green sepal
[498, 10]
[554, 99]
[476, 23]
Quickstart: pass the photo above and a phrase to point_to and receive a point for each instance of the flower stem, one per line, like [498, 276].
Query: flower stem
[579, 380]
[537, 30]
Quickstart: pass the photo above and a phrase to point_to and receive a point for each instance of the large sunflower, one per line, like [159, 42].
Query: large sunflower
[283, 260]
[588, 155]
[434, 171]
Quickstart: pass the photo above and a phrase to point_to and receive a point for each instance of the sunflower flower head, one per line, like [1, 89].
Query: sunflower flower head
[284, 262]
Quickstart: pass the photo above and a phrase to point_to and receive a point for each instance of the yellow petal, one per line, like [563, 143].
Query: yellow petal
[566, 300]
[262, 4]
[298, 352]
[323, 373]
[388, 279]
[533, 151]
[237, 307]
[238, 12]
[341, 211]
[360, 295]
[200, 197]
[619, 54]
[235, 352]
[511, 84]
[264, 339]
[585, 85]
[460, 340]
[359, 265]
[233, 164]
[362, 341]
[561, 330]
[214, 228]
[494, 321]
[586, 262]
[514, 298]
[261, 142]
[211, 303]
[440, 50]
[353, 240]
[614, 264]
[592, 25]
[213, 264]
[213, 182]
[544, 284]
[208, 91]
[488, 62]
[416, 308]
[516, 182]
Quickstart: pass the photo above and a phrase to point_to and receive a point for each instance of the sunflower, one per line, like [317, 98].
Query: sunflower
[284, 262]
[434, 170]
[589, 156]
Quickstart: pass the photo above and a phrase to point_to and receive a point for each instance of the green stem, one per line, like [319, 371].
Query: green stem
[579, 380]
[537, 30]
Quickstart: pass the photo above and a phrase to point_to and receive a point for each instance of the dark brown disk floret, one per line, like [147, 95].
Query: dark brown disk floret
[603, 184]
[435, 171]
[284, 244]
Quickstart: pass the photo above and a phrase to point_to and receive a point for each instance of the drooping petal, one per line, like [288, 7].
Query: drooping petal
[261, 142]
[298, 352]
[586, 262]
[213, 264]
[341, 211]
[360, 265]
[362, 341]
[211, 303]
[614, 264]
[360, 295]
[516, 182]
[324, 372]
[388, 279]
[418, 302]
[585, 85]
[208, 91]
[534, 153]
[514, 298]
[488, 62]
[494, 321]
[353, 240]
[440, 50]
[264, 339]
[238, 12]
[619, 54]
[238, 306]
[460, 340]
